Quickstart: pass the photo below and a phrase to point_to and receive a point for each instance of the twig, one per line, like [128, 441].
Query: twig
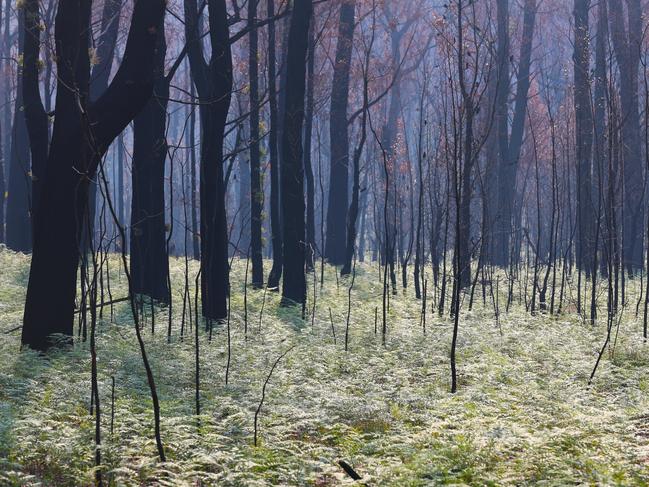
[263, 389]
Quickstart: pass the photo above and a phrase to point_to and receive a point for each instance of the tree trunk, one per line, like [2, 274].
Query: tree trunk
[213, 82]
[273, 155]
[584, 135]
[292, 169]
[19, 224]
[35, 116]
[510, 152]
[81, 135]
[339, 139]
[149, 260]
[308, 166]
[626, 44]
[256, 186]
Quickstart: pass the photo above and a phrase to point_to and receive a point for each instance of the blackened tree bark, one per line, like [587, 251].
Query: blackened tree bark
[35, 116]
[105, 50]
[99, 76]
[600, 107]
[626, 44]
[81, 135]
[213, 81]
[196, 252]
[501, 140]
[308, 166]
[339, 138]
[292, 169]
[19, 225]
[3, 184]
[510, 150]
[149, 260]
[352, 216]
[584, 135]
[6, 118]
[3, 146]
[273, 154]
[256, 186]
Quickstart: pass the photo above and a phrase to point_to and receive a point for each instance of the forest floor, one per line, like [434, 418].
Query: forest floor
[523, 413]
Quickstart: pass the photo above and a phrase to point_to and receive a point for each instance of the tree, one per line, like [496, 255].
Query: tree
[81, 135]
[626, 37]
[292, 169]
[273, 157]
[19, 224]
[256, 186]
[35, 116]
[213, 81]
[510, 143]
[339, 138]
[584, 136]
[149, 260]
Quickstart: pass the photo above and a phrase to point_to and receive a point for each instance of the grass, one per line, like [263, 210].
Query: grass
[523, 414]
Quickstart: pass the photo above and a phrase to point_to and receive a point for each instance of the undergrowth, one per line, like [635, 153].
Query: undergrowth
[523, 414]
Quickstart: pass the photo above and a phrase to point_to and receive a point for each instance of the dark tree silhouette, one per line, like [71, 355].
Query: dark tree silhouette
[149, 262]
[292, 169]
[273, 156]
[584, 136]
[81, 135]
[627, 37]
[213, 81]
[339, 139]
[19, 225]
[256, 187]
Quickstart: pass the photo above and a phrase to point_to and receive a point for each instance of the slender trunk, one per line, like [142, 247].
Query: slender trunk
[275, 222]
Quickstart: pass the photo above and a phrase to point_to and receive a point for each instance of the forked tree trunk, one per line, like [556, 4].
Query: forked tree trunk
[213, 82]
[79, 140]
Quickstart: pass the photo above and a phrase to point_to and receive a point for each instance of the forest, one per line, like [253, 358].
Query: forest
[324, 242]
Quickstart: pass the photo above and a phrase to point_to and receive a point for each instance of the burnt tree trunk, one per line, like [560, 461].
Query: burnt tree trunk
[149, 260]
[19, 224]
[584, 136]
[510, 149]
[626, 45]
[213, 81]
[339, 139]
[292, 169]
[256, 186]
[35, 116]
[81, 135]
[273, 155]
[308, 166]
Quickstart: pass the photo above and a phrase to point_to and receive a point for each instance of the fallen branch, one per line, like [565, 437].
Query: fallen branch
[349, 470]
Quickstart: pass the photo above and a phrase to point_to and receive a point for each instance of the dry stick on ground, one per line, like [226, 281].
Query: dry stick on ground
[349, 470]
[263, 389]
